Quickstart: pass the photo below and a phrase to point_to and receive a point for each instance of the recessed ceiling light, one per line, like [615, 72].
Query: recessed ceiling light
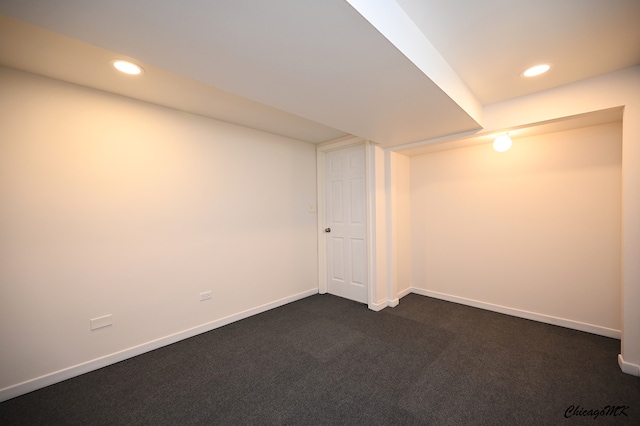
[127, 67]
[537, 70]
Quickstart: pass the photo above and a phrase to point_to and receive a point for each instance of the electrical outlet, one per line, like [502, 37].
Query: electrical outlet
[205, 296]
[312, 208]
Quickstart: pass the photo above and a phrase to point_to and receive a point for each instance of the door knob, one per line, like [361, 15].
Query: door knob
[327, 229]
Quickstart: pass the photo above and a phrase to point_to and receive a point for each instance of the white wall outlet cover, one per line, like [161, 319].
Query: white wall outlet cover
[205, 295]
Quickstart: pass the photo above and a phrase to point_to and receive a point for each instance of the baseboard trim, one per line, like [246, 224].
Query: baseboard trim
[548, 319]
[627, 367]
[378, 306]
[404, 292]
[94, 364]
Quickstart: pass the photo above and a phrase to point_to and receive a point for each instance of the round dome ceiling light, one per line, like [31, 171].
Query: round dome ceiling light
[127, 67]
[536, 70]
[502, 143]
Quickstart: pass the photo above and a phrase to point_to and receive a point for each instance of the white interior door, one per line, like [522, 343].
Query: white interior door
[346, 228]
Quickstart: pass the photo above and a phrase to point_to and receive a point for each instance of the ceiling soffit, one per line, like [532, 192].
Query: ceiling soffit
[319, 61]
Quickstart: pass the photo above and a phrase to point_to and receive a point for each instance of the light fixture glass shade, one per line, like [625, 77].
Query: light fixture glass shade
[502, 143]
[127, 67]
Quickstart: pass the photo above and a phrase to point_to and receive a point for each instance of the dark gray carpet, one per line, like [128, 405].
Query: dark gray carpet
[326, 360]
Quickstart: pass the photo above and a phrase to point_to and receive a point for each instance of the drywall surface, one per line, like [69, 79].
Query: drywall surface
[535, 229]
[616, 89]
[111, 206]
[402, 221]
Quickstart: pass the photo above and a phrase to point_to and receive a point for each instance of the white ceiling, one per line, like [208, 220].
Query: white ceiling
[490, 42]
[40, 51]
[394, 72]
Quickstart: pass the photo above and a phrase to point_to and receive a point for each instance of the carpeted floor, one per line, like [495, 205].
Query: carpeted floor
[326, 360]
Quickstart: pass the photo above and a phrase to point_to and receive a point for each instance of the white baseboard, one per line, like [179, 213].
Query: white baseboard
[548, 319]
[403, 293]
[85, 367]
[377, 306]
[627, 367]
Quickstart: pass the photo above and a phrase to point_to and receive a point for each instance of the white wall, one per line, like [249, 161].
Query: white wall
[379, 294]
[401, 227]
[621, 88]
[535, 229]
[114, 206]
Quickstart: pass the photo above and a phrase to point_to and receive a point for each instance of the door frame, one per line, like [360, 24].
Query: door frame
[376, 253]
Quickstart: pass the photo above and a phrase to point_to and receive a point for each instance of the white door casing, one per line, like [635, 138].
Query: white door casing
[346, 217]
